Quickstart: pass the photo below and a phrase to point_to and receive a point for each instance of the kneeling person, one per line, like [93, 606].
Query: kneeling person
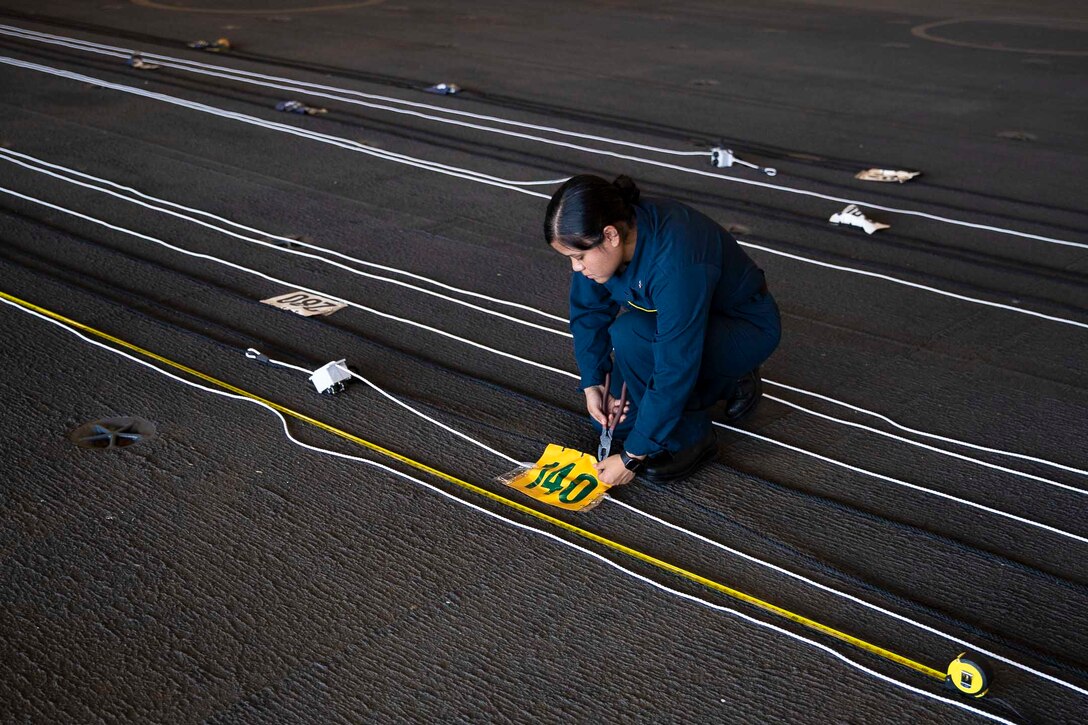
[686, 312]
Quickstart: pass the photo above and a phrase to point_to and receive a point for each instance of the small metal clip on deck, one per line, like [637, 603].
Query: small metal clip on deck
[724, 158]
[329, 378]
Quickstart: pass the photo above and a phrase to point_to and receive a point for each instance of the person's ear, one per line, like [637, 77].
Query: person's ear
[612, 236]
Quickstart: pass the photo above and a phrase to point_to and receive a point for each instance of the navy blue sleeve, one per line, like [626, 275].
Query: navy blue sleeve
[682, 299]
[592, 310]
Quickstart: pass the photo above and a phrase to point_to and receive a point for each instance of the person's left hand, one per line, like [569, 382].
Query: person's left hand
[612, 472]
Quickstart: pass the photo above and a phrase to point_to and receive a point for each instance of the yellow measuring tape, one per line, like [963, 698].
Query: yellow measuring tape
[584, 533]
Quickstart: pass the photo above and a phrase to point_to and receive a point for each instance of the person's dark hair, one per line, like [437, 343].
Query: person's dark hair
[583, 206]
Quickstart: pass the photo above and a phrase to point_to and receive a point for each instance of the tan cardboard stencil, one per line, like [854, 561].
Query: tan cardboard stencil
[305, 304]
[886, 175]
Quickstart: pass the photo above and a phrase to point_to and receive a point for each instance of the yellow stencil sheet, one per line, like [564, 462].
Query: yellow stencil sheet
[563, 477]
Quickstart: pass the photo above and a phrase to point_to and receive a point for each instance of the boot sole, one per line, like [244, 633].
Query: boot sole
[747, 411]
[704, 457]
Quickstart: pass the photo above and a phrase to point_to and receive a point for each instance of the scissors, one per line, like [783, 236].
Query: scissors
[605, 447]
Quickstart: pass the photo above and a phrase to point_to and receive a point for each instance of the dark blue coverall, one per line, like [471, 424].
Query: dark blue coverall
[687, 316]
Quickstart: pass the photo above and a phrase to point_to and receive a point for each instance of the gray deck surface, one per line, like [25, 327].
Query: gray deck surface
[218, 573]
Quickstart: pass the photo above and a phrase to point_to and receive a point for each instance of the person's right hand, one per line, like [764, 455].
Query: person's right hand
[595, 404]
[595, 395]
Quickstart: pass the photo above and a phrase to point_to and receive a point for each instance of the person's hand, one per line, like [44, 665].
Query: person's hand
[595, 395]
[612, 472]
[595, 404]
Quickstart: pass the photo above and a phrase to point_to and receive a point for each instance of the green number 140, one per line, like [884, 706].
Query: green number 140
[551, 480]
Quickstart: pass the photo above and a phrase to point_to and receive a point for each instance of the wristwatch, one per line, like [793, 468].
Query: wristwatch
[631, 464]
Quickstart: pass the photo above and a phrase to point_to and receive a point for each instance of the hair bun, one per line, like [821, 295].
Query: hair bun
[628, 191]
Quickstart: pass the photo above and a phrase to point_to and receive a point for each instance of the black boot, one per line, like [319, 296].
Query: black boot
[745, 397]
[672, 466]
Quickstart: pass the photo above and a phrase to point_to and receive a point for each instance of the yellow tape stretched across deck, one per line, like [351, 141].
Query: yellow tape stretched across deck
[540, 515]
[563, 477]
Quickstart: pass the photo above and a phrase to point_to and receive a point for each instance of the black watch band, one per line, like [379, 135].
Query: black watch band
[631, 464]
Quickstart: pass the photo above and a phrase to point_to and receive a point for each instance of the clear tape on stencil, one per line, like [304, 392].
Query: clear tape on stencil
[563, 477]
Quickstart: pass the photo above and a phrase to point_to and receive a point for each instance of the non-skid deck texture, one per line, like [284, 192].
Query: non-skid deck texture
[219, 573]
